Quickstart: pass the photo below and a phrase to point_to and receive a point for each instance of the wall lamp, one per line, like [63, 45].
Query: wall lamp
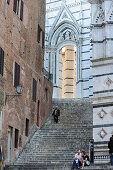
[19, 90]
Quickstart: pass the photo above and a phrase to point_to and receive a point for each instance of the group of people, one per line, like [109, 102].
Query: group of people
[81, 160]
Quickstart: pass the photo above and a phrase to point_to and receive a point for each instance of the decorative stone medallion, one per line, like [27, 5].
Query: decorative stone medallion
[102, 113]
[102, 133]
[108, 81]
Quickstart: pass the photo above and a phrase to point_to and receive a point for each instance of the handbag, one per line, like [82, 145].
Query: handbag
[87, 163]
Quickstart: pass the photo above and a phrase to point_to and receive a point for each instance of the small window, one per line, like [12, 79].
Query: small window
[16, 74]
[39, 34]
[46, 94]
[43, 38]
[1, 61]
[27, 127]
[8, 1]
[34, 91]
[16, 137]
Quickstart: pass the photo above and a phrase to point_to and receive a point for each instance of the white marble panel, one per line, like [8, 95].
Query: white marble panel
[86, 48]
[98, 34]
[109, 31]
[86, 13]
[103, 69]
[109, 48]
[105, 81]
[85, 73]
[87, 41]
[98, 50]
[86, 93]
[52, 14]
[85, 56]
[103, 115]
[85, 64]
[97, 131]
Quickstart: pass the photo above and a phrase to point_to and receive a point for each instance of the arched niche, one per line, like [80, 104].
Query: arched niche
[64, 34]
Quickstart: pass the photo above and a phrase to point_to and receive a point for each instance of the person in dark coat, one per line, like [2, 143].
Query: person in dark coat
[110, 146]
[56, 114]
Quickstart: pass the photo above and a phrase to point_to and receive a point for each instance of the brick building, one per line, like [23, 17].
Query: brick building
[21, 63]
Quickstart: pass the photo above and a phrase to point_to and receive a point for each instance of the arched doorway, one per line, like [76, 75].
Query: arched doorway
[67, 77]
[64, 66]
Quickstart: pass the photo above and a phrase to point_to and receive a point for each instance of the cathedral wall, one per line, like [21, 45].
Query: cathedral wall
[102, 64]
[79, 12]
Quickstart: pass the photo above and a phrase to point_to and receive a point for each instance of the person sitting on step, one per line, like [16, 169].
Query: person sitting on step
[56, 114]
[85, 159]
[78, 160]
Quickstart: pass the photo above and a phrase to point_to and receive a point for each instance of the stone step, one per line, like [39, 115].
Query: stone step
[55, 167]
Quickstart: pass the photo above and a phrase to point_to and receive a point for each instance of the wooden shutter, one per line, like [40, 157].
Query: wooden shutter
[43, 39]
[27, 127]
[39, 31]
[15, 5]
[1, 61]
[21, 10]
[34, 90]
[8, 1]
[16, 138]
[17, 75]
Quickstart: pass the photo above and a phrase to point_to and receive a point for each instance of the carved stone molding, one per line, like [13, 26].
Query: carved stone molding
[108, 82]
[102, 114]
[66, 35]
[99, 16]
[102, 133]
[109, 16]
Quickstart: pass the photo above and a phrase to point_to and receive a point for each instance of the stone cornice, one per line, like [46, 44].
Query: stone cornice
[58, 8]
[95, 1]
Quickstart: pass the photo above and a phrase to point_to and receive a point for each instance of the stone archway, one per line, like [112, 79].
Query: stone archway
[65, 34]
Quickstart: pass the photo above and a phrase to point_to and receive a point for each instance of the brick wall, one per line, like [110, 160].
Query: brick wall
[18, 39]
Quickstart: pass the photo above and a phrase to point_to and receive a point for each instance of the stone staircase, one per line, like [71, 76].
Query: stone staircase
[54, 145]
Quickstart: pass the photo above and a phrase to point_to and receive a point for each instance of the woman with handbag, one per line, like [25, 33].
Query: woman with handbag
[85, 159]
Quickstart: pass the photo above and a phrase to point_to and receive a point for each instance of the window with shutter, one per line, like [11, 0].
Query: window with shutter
[16, 137]
[21, 10]
[39, 33]
[1, 61]
[16, 6]
[27, 127]
[34, 90]
[8, 1]
[16, 75]
[43, 38]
